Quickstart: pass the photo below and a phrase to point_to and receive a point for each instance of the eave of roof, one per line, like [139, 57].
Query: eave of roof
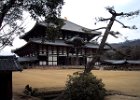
[117, 62]
[27, 59]
[55, 43]
[62, 43]
[133, 61]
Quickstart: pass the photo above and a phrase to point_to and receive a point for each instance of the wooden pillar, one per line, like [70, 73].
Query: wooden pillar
[6, 85]
[67, 55]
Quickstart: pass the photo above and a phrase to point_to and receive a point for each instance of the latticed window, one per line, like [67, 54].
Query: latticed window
[42, 63]
[52, 60]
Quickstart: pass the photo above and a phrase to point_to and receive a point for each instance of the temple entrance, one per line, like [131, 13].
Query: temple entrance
[76, 61]
[62, 60]
[82, 61]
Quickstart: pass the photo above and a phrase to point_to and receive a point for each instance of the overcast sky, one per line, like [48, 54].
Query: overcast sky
[83, 12]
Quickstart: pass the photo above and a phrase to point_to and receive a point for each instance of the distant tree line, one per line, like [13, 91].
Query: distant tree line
[125, 50]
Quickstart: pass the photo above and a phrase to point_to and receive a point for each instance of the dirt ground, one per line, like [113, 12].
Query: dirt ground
[124, 85]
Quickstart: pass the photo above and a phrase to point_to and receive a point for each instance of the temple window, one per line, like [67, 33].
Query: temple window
[54, 50]
[42, 63]
[64, 50]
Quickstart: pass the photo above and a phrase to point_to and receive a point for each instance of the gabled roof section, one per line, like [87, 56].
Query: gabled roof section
[68, 25]
[9, 63]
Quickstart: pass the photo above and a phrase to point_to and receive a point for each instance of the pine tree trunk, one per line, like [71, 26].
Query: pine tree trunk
[100, 50]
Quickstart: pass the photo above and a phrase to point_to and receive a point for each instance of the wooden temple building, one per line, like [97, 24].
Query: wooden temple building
[40, 52]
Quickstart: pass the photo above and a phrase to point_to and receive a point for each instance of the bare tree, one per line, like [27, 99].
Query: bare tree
[108, 31]
[11, 11]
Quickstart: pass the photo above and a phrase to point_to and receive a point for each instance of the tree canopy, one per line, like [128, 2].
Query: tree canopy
[11, 11]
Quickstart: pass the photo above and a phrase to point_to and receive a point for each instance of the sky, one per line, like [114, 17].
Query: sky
[84, 12]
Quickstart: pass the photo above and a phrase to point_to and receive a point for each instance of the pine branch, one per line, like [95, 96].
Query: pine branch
[114, 34]
[111, 10]
[2, 27]
[102, 19]
[99, 28]
[131, 13]
[124, 26]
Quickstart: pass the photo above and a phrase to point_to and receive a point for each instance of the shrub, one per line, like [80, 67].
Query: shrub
[84, 87]
[28, 90]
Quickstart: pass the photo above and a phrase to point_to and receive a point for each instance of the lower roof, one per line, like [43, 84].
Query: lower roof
[9, 63]
[59, 43]
[27, 59]
[119, 62]
[88, 45]
[63, 43]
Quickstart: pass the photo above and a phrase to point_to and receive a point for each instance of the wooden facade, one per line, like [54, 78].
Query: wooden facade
[40, 51]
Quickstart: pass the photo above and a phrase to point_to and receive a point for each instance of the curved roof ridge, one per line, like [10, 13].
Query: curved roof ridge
[68, 25]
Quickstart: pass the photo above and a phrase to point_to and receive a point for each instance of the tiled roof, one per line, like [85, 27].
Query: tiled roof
[68, 25]
[9, 63]
[133, 61]
[62, 43]
[58, 43]
[117, 62]
[114, 62]
[27, 59]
